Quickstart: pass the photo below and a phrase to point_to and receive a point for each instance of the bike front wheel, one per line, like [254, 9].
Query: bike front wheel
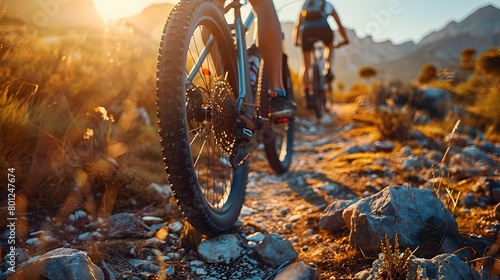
[196, 97]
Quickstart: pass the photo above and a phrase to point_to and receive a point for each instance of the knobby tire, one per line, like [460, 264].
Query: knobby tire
[196, 139]
[278, 138]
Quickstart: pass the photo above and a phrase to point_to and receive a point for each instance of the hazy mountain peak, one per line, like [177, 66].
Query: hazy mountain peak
[482, 21]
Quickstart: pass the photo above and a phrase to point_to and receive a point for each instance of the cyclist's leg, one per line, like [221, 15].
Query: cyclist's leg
[308, 38]
[327, 38]
[304, 70]
[328, 56]
[271, 50]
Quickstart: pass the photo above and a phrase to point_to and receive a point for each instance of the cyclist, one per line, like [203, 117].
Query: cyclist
[313, 23]
[271, 49]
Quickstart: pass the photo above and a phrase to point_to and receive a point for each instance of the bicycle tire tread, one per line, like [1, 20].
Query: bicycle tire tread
[173, 133]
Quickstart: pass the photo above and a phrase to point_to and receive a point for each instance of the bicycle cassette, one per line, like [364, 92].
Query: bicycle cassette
[224, 115]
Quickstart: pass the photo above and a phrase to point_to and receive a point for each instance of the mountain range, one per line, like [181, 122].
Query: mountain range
[480, 30]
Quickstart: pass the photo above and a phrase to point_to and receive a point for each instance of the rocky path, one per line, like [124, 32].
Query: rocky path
[289, 205]
[278, 235]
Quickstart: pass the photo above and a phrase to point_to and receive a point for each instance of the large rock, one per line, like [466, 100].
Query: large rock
[220, 249]
[275, 250]
[60, 264]
[331, 219]
[416, 215]
[435, 101]
[298, 271]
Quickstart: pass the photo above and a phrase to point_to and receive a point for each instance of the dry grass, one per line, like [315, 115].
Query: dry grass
[394, 264]
[394, 123]
[69, 104]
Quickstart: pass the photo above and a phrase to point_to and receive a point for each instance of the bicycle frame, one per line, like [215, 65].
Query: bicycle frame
[240, 29]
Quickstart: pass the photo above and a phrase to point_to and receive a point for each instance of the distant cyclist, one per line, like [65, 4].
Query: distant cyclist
[313, 26]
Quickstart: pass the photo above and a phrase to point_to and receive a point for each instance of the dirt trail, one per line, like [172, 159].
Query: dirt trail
[291, 204]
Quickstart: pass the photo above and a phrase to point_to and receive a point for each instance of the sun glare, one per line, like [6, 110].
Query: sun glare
[114, 9]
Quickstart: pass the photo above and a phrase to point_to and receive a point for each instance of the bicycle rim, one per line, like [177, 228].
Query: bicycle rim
[196, 91]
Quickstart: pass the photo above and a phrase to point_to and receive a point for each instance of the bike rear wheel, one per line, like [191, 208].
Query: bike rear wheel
[196, 97]
[279, 147]
[278, 136]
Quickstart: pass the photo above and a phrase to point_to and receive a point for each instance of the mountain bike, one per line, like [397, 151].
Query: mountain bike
[322, 95]
[210, 119]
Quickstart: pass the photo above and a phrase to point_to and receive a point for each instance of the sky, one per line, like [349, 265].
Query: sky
[395, 20]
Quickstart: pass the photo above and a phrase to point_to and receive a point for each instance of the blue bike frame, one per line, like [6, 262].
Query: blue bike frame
[240, 29]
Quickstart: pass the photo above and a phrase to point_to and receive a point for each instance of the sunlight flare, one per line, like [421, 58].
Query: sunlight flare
[114, 9]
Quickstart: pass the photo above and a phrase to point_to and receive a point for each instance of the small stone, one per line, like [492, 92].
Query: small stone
[308, 232]
[284, 211]
[251, 244]
[256, 237]
[70, 229]
[200, 271]
[150, 220]
[196, 263]
[175, 227]
[96, 235]
[300, 207]
[32, 241]
[274, 250]
[246, 211]
[86, 236]
[170, 270]
[294, 218]
[77, 215]
[220, 249]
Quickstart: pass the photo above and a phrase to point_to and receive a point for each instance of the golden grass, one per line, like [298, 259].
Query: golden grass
[50, 86]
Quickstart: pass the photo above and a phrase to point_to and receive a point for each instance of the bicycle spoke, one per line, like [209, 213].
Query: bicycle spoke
[211, 164]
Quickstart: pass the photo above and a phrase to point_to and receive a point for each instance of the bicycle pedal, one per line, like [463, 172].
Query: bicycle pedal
[243, 133]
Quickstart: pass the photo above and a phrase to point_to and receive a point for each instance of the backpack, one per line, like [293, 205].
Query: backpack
[314, 9]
